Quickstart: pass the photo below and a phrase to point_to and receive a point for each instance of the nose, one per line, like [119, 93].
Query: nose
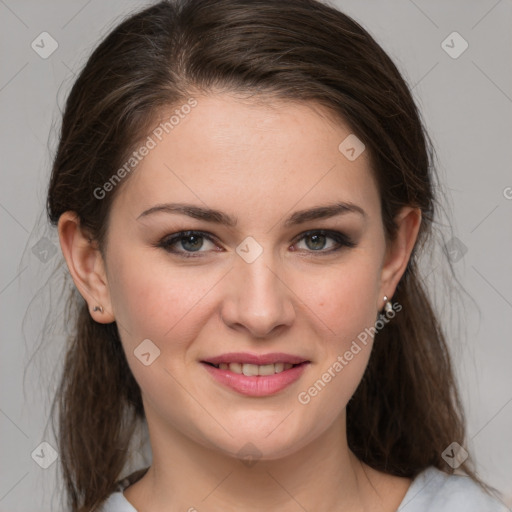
[257, 299]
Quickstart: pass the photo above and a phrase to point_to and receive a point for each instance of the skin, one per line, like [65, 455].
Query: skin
[259, 162]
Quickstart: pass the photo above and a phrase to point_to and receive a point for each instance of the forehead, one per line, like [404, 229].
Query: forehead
[243, 155]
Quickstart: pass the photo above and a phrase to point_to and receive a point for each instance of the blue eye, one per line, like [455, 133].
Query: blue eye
[186, 243]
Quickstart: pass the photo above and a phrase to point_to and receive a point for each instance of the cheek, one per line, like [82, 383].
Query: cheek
[345, 310]
[344, 299]
[344, 306]
[155, 302]
[154, 299]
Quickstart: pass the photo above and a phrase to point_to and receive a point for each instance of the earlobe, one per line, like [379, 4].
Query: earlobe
[399, 250]
[86, 266]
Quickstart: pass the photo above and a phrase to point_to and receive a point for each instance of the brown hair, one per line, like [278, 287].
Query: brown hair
[406, 410]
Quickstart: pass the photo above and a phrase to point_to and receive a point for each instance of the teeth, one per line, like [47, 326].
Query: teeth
[235, 367]
[266, 369]
[251, 370]
[279, 367]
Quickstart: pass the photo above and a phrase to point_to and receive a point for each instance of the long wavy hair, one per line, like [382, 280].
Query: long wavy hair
[407, 408]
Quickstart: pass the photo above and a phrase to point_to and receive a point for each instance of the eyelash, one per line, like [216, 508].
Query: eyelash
[167, 242]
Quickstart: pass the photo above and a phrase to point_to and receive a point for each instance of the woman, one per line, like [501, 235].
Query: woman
[242, 190]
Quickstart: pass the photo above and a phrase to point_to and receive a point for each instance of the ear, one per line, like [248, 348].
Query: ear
[86, 266]
[398, 251]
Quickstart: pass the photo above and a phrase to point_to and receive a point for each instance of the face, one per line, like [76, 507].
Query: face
[271, 280]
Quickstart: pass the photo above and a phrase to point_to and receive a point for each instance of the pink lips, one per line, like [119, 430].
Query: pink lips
[258, 385]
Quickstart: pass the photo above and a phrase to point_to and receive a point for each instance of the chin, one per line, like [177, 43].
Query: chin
[267, 444]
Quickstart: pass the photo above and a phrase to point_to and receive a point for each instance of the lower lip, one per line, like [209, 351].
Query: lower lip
[259, 385]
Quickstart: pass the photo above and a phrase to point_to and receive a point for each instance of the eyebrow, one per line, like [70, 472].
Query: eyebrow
[218, 217]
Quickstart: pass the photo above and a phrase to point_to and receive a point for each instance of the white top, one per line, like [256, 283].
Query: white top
[431, 490]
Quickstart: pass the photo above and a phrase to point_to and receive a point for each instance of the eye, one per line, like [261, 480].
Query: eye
[186, 242]
[316, 241]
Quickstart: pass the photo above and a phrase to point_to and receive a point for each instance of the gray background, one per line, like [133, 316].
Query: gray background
[467, 106]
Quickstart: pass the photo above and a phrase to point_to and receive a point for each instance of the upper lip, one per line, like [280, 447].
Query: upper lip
[258, 359]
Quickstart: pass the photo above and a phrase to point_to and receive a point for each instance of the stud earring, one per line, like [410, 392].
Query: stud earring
[388, 307]
[98, 308]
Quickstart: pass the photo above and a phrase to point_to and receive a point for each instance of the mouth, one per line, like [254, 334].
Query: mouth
[253, 370]
[256, 375]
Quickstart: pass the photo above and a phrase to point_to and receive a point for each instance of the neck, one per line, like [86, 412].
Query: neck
[186, 475]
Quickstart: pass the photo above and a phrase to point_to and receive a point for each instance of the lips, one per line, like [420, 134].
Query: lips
[256, 375]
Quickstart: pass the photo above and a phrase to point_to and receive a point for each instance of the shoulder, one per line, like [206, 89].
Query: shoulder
[117, 502]
[431, 490]
[435, 490]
